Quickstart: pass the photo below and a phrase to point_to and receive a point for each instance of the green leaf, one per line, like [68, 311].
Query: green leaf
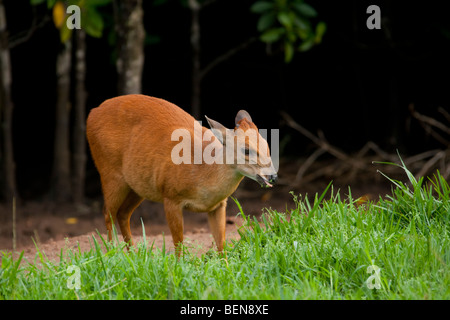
[285, 19]
[306, 45]
[320, 30]
[303, 28]
[36, 2]
[291, 36]
[65, 33]
[303, 34]
[266, 21]
[261, 7]
[302, 23]
[50, 3]
[93, 23]
[305, 10]
[288, 51]
[272, 35]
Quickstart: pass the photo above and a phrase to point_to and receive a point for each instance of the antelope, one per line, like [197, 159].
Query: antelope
[132, 143]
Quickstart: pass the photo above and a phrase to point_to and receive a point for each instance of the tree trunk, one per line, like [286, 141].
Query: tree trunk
[79, 130]
[61, 163]
[130, 41]
[6, 113]
[196, 66]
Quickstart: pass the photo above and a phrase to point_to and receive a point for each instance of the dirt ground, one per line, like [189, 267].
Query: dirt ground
[66, 226]
[53, 227]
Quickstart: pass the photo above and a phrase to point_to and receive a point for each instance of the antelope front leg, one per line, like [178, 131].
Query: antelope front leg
[217, 221]
[174, 217]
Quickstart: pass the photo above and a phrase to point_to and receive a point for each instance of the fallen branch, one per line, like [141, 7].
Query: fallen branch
[430, 163]
[321, 142]
[428, 120]
[444, 113]
[350, 167]
[429, 123]
[311, 159]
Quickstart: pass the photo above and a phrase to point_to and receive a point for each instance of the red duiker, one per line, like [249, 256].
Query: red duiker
[133, 141]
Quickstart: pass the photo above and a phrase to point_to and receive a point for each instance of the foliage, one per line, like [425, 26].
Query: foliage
[91, 20]
[321, 249]
[288, 22]
[417, 205]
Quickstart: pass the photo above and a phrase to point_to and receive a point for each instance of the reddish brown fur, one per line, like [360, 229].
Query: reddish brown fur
[130, 142]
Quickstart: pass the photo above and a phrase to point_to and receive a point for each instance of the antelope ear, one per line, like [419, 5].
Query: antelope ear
[219, 130]
[242, 114]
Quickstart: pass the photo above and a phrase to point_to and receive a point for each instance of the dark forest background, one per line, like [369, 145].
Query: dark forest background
[356, 85]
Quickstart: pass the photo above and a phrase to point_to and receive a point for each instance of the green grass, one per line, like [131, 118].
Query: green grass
[320, 250]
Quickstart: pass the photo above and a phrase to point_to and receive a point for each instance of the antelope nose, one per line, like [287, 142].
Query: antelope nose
[273, 178]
